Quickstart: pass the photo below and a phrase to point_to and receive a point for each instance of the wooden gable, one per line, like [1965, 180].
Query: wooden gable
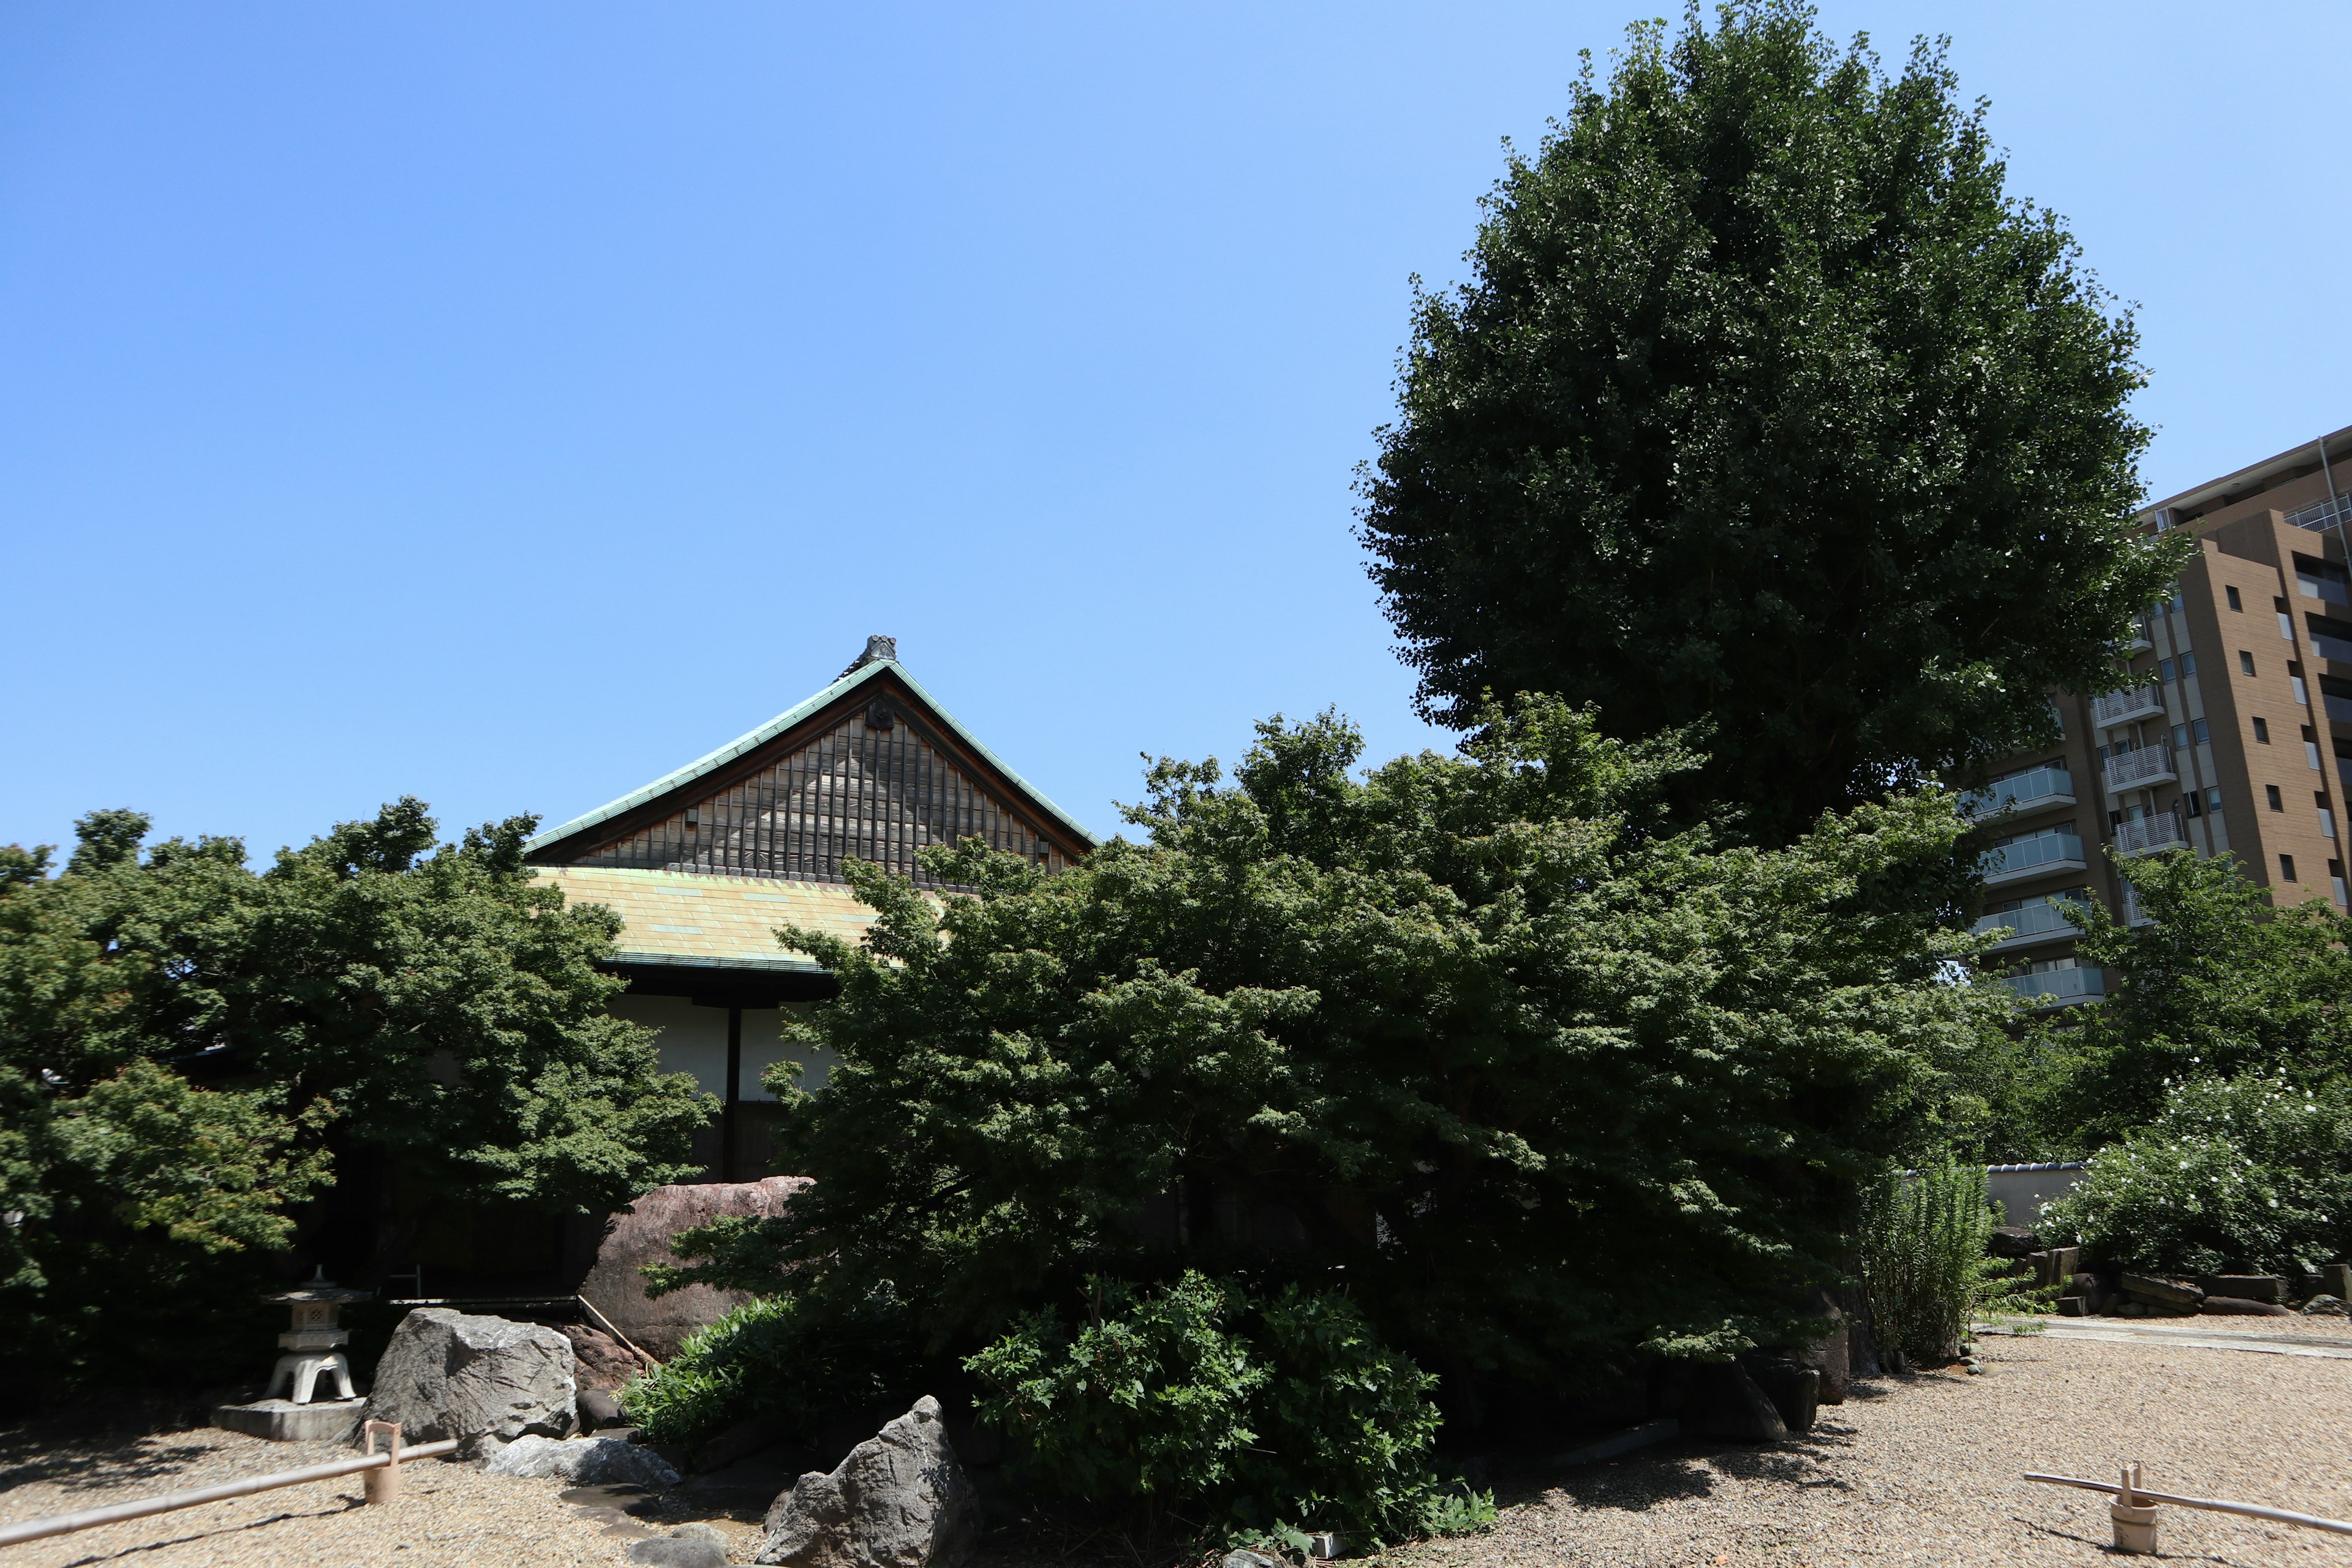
[875, 772]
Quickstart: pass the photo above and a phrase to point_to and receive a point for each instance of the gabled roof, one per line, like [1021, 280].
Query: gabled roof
[671, 921]
[853, 685]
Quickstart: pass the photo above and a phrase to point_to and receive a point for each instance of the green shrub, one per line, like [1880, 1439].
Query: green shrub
[2246, 1172]
[1924, 1266]
[1291, 1413]
[776, 1355]
[1150, 1398]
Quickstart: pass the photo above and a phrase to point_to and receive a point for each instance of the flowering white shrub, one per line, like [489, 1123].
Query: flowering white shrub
[2248, 1171]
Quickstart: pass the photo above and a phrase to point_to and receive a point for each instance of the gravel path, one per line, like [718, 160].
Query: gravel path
[449, 1516]
[1912, 1470]
[1925, 1470]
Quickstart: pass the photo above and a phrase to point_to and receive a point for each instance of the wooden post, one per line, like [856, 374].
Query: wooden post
[384, 1485]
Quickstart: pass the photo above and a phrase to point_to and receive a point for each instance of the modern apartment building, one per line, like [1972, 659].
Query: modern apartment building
[2233, 736]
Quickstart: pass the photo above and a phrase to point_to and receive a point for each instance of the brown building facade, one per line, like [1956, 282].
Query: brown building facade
[2233, 736]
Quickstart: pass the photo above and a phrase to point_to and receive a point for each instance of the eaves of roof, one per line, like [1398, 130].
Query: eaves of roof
[776, 726]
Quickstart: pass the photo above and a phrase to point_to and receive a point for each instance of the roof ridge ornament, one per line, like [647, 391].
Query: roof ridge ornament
[878, 649]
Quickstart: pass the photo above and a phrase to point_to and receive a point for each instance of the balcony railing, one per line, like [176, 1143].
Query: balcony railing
[2331, 589]
[2137, 770]
[2027, 791]
[2123, 707]
[2038, 922]
[2324, 515]
[2038, 856]
[2150, 834]
[2059, 987]
[2334, 648]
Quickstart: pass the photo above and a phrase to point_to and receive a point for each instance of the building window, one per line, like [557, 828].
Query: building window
[2327, 823]
[2180, 737]
[2263, 732]
[2286, 868]
[2188, 666]
[2271, 793]
[2245, 662]
[2235, 603]
[2213, 800]
[2164, 670]
[2197, 728]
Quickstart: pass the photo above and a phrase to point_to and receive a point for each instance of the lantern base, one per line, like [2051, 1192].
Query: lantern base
[283, 1421]
[300, 1375]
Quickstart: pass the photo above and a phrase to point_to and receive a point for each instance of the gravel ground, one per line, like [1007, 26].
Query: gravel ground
[448, 1515]
[1925, 1470]
[1910, 1471]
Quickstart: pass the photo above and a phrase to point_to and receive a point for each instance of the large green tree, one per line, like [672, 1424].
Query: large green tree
[1547, 1078]
[189, 1050]
[2214, 984]
[1767, 405]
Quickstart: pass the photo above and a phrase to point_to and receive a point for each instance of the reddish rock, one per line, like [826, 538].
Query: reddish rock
[604, 1362]
[641, 1235]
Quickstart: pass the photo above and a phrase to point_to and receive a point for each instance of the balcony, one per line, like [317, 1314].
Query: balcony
[2139, 769]
[2059, 987]
[2150, 834]
[2123, 707]
[2029, 927]
[2142, 639]
[2028, 791]
[2040, 854]
[2332, 648]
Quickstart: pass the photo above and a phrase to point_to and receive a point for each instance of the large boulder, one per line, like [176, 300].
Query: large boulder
[899, 1501]
[641, 1233]
[1726, 1402]
[483, 1381]
[591, 1462]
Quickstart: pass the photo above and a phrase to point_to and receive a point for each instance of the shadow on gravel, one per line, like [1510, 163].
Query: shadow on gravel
[99, 1465]
[136, 1553]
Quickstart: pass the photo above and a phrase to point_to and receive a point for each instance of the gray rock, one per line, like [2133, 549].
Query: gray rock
[599, 1408]
[2232, 1306]
[2012, 1241]
[2326, 1307]
[899, 1501]
[1831, 1355]
[677, 1551]
[483, 1381]
[1795, 1389]
[1726, 1403]
[2246, 1287]
[591, 1462]
[2167, 1295]
[1247, 1560]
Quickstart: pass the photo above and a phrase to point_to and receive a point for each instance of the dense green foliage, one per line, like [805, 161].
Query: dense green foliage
[1765, 405]
[2215, 985]
[2247, 1172]
[780, 1356]
[1925, 1267]
[1551, 1082]
[1284, 1410]
[188, 1049]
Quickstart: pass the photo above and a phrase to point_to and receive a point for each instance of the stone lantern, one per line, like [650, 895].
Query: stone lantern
[314, 1350]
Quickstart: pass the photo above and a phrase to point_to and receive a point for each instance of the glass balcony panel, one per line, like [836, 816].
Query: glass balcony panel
[2150, 834]
[2020, 792]
[2326, 588]
[2045, 920]
[2030, 857]
[2123, 707]
[2058, 987]
[2137, 770]
[2338, 708]
[2329, 647]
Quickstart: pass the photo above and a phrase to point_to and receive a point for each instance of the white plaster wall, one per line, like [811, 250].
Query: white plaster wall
[764, 1042]
[693, 1039]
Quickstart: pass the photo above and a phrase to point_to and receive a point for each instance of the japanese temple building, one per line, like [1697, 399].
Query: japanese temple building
[703, 865]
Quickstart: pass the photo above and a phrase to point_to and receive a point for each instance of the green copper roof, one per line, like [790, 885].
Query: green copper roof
[777, 726]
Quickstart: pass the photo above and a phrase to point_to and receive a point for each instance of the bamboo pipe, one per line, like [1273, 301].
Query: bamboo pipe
[2141, 1496]
[67, 1523]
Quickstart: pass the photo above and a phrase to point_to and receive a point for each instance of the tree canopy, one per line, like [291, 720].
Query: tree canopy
[1767, 405]
[189, 1050]
[1546, 1077]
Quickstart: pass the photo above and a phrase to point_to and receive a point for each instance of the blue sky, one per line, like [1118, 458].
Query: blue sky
[506, 404]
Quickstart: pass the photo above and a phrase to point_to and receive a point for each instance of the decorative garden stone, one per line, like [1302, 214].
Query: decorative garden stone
[899, 1501]
[484, 1381]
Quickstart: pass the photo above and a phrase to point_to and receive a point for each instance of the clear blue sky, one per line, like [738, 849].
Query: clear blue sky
[504, 404]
